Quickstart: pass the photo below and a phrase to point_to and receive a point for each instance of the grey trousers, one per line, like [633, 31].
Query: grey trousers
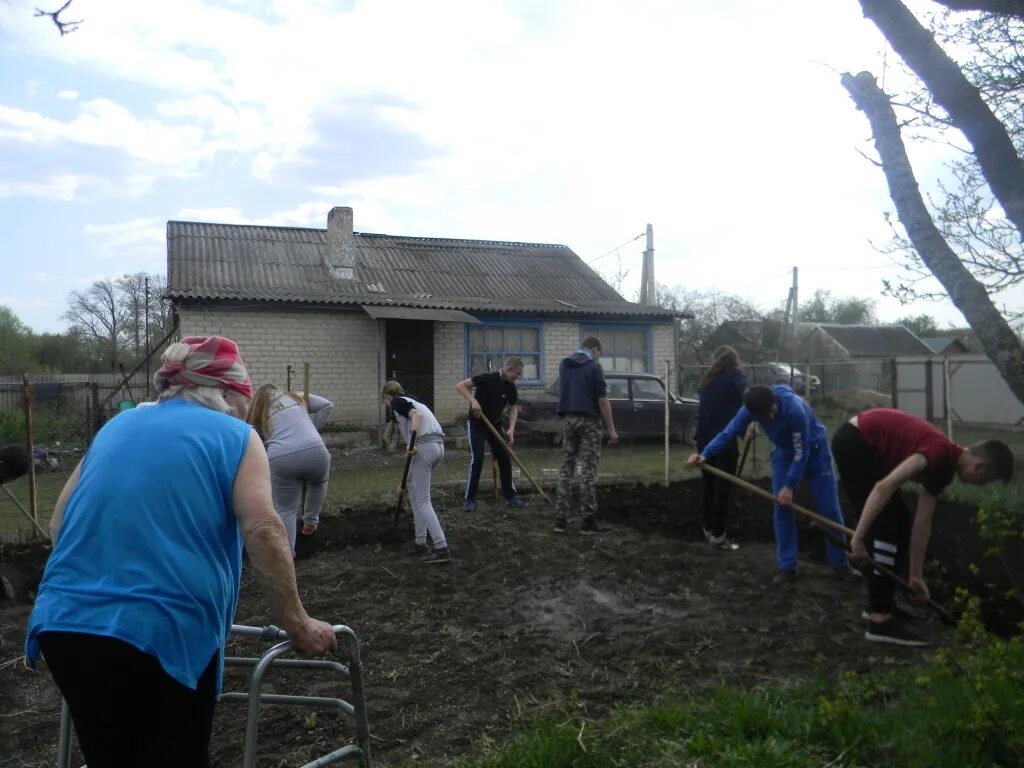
[287, 473]
[428, 456]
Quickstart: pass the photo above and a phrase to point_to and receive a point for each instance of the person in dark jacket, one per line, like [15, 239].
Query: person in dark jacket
[583, 402]
[801, 453]
[721, 396]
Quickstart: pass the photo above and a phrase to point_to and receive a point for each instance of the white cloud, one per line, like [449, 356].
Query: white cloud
[67, 95]
[41, 277]
[143, 239]
[722, 123]
[18, 302]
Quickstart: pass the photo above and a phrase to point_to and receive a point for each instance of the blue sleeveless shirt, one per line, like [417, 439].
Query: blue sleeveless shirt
[149, 551]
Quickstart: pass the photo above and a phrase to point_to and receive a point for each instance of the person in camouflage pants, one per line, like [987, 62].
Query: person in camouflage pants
[583, 402]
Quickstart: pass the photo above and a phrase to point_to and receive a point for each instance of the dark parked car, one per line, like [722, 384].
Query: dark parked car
[782, 373]
[637, 401]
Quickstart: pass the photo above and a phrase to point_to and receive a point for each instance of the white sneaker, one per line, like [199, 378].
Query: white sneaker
[722, 543]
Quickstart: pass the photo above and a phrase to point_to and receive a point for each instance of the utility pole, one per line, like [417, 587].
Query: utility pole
[146, 350]
[796, 310]
[647, 286]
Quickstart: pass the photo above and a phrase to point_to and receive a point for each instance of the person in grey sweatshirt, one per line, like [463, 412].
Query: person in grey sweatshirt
[290, 428]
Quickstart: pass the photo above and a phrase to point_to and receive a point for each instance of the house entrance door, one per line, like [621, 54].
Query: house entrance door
[409, 351]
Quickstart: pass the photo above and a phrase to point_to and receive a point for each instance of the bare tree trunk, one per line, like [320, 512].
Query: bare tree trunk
[993, 148]
[967, 293]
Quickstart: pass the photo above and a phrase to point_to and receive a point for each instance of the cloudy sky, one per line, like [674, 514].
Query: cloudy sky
[720, 122]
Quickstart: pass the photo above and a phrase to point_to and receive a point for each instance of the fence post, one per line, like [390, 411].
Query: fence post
[947, 398]
[668, 370]
[807, 381]
[894, 370]
[929, 391]
[33, 503]
[95, 421]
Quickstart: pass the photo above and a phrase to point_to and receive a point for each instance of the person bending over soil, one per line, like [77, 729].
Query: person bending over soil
[801, 453]
[427, 452]
[876, 452]
[492, 392]
[290, 429]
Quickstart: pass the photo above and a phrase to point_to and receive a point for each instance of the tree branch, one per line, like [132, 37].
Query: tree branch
[968, 294]
[998, 7]
[962, 101]
[64, 27]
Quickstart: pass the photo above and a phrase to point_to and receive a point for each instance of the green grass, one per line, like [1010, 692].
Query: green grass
[952, 711]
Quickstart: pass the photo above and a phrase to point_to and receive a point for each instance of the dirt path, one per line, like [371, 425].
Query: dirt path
[523, 621]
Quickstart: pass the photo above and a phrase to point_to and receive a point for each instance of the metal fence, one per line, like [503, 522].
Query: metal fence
[367, 460]
[812, 378]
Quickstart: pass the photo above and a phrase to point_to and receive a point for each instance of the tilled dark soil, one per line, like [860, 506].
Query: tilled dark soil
[523, 621]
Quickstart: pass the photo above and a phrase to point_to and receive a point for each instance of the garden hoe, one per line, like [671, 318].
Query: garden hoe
[751, 436]
[515, 458]
[826, 526]
[402, 489]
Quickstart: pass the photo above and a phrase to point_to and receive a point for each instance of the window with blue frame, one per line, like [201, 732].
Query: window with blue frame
[491, 342]
[623, 347]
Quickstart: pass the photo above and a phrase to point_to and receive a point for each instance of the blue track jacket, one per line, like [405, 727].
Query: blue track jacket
[794, 431]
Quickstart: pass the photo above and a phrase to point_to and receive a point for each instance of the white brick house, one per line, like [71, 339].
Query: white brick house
[362, 308]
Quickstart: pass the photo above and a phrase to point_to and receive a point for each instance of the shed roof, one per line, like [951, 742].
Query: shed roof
[876, 340]
[290, 264]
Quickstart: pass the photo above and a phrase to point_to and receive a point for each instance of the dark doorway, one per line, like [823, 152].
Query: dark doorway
[409, 351]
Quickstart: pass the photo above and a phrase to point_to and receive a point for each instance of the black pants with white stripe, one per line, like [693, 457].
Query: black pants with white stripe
[888, 539]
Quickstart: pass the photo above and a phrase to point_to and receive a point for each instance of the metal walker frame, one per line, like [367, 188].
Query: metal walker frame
[353, 671]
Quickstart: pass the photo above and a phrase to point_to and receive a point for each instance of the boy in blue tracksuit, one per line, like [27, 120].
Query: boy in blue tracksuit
[801, 453]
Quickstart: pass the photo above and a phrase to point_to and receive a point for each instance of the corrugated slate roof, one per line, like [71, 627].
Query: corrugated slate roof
[876, 340]
[288, 264]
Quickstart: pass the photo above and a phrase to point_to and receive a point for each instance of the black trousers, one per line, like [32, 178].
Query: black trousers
[888, 539]
[478, 433]
[718, 492]
[127, 711]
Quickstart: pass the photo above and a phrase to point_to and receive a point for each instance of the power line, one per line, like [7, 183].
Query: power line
[617, 247]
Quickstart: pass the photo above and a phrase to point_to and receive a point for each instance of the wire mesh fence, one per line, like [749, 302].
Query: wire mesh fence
[368, 458]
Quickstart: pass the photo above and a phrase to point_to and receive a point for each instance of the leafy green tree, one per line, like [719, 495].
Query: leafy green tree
[923, 326]
[849, 310]
[16, 343]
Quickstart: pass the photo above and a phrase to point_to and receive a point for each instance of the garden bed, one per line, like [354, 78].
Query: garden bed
[525, 622]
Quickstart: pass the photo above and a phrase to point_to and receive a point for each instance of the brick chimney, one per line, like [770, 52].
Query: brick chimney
[341, 252]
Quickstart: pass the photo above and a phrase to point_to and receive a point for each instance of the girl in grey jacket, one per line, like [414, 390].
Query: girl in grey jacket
[289, 427]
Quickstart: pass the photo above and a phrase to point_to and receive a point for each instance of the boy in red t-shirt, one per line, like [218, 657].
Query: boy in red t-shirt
[876, 452]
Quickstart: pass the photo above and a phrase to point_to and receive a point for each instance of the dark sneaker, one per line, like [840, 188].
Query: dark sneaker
[848, 574]
[515, 501]
[438, 557]
[469, 505]
[590, 527]
[560, 525]
[722, 543]
[419, 549]
[782, 578]
[895, 631]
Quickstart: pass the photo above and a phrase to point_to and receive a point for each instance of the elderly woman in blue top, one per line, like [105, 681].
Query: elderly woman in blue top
[801, 453]
[139, 593]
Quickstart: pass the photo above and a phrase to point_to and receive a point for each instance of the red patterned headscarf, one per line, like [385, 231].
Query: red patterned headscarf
[198, 361]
